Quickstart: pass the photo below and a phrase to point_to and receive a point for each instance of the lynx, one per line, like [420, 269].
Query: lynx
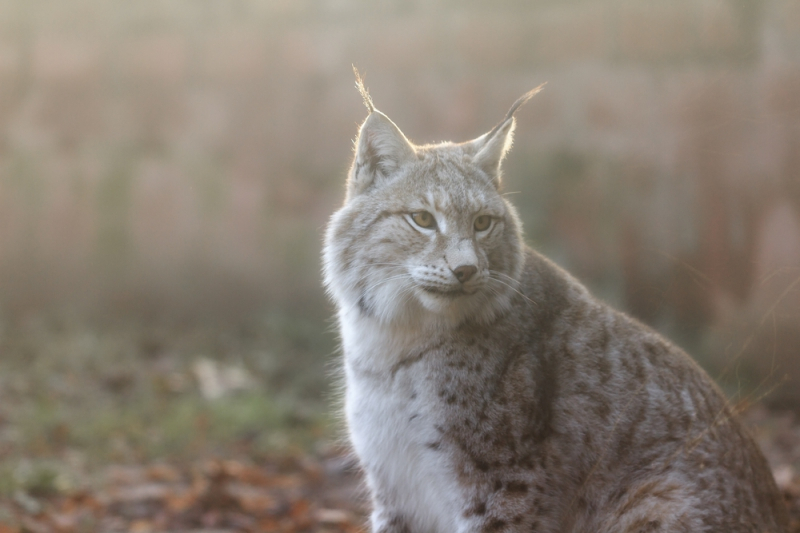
[488, 391]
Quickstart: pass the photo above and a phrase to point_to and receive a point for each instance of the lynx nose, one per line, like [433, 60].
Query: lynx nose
[465, 272]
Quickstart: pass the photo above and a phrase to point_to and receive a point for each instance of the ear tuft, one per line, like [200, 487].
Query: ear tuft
[520, 102]
[491, 148]
[363, 90]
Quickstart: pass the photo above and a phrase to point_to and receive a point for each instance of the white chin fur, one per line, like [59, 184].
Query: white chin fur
[440, 303]
[423, 309]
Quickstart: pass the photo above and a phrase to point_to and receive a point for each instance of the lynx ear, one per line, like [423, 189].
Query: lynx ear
[381, 149]
[491, 148]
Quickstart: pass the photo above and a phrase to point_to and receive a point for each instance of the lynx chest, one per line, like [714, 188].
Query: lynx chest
[393, 417]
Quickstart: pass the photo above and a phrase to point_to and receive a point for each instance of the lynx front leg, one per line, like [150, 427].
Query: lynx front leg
[511, 504]
[386, 516]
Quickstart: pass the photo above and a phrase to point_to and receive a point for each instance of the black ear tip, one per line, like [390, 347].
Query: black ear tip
[524, 99]
[508, 121]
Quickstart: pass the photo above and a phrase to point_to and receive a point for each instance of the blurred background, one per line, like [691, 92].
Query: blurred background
[167, 169]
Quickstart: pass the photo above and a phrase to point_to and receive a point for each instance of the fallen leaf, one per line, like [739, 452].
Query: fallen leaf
[252, 499]
[179, 501]
[163, 472]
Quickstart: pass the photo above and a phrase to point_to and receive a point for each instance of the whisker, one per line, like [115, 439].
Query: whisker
[498, 280]
[510, 278]
[387, 264]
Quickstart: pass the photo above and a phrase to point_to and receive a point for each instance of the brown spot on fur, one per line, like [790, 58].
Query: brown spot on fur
[479, 509]
[517, 486]
[365, 307]
[413, 358]
[495, 525]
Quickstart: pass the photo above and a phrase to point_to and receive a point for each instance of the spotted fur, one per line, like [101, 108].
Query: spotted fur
[488, 391]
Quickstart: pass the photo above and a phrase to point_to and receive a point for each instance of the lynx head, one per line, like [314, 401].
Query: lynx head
[424, 237]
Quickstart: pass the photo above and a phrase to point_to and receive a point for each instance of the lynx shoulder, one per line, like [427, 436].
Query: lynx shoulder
[488, 391]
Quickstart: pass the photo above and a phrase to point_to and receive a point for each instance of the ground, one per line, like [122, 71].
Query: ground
[121, 426]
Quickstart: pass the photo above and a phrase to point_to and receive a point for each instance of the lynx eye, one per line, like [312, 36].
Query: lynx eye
[423, 219]
[482, 223]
